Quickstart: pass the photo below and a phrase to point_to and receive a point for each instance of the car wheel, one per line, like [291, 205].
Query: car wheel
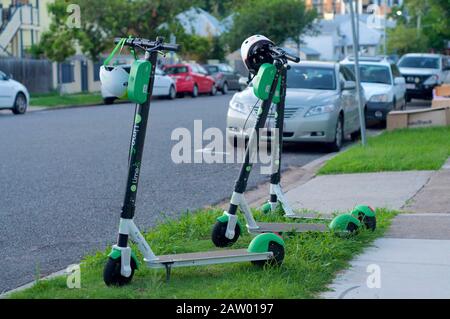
[109, 100]
[195, 91]
[225, 88]
[20, 104]
[403, 107]
[355, 135]
[172, 93]
[213, 90]
[336, 145]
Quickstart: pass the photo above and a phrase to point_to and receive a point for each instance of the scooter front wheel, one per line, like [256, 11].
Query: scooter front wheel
[218, 234]
[112, 275]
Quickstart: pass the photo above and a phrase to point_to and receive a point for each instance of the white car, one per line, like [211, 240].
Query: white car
[423, 72]
[384, 86]
[164, 86]
[13, 95]
[321, 106]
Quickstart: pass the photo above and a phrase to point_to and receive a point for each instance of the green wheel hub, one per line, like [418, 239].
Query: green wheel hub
[366, 215]
[345, 224]
[268, 242]
[266, 208]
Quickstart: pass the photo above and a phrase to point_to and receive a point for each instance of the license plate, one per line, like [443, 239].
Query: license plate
[410, 86]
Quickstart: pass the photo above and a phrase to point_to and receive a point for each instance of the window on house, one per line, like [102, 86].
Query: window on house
[96, 71]
[67, 72]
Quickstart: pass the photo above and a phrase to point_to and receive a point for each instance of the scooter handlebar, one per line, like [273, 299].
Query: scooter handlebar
[280, 52]
[148, 44]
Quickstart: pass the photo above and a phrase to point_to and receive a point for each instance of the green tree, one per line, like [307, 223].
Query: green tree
[424, 26]
[58, 43]
[276, 19]
[404, 39]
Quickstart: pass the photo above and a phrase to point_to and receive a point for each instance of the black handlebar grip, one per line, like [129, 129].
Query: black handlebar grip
[292, 58]
[149, 44]
[280, 52]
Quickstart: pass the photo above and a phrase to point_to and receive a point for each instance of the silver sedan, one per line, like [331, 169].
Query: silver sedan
[321, 106]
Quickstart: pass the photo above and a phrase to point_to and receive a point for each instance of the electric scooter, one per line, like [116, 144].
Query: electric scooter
[269, 65]
[264, 249]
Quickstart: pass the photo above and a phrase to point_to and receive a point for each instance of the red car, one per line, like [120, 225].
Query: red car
[191, 78]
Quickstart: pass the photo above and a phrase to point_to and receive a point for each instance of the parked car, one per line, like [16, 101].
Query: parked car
[191, 78]
[321, 106]
[164, 86]
[243, 82]
[384, 86]
[225, 76]
[13, 95]
[423, 72]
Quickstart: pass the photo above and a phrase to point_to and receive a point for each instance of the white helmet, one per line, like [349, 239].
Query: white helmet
[114, 80]
[254, 52]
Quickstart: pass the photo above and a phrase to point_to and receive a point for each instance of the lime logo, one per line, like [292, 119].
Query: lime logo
[133, 188]
[138, 119]
[248, 168]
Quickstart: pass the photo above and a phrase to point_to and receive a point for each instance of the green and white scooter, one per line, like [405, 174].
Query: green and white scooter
[269, 65]
[264, 249]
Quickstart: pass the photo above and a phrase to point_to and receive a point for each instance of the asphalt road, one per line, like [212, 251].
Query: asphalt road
[63, 176]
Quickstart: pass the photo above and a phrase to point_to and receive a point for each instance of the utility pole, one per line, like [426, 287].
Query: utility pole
[357, 20]
[362, 119]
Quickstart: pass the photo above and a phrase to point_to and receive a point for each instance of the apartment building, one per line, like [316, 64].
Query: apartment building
[328, 8]
[22, 23]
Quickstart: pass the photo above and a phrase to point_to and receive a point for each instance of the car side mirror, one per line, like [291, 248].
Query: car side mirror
[399, 80]
[349, 85]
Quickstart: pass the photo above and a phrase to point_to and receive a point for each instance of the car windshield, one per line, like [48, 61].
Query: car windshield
[372, 73]
[419, 62]
[176, 69]
[311, 77]
[212, 69]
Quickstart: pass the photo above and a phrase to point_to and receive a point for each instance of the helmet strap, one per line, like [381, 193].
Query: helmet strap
[113, 53]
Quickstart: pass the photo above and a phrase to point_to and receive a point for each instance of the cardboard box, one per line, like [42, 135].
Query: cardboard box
[441, 96]
[443, 90]
[438, 103]
[418, 118]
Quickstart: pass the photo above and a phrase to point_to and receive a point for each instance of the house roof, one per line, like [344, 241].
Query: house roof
[367, 35]
[198, 21]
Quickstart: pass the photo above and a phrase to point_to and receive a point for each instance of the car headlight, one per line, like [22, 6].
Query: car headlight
[320, 109]
[432, 80]
[239, 107]
[379, 98]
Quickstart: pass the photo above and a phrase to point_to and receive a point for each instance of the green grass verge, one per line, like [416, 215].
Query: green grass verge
[54, 99]
[399, 150]
[311, 261]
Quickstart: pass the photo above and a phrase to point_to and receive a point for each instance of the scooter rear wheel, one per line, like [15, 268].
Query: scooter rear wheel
[112, 275]
[278, 256]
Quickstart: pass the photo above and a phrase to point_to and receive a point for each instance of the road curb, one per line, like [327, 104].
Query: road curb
[62, 107]
[56, 274]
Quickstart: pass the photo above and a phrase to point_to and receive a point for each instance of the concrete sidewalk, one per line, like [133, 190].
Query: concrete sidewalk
[338, 193]
[413, 259]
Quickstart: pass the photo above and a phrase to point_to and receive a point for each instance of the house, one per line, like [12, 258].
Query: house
[334, 40]
[22, 23]
[199, 22]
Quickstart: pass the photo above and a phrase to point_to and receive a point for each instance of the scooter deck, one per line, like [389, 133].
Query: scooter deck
[207, 258]
[288, 227]
[309, 216]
